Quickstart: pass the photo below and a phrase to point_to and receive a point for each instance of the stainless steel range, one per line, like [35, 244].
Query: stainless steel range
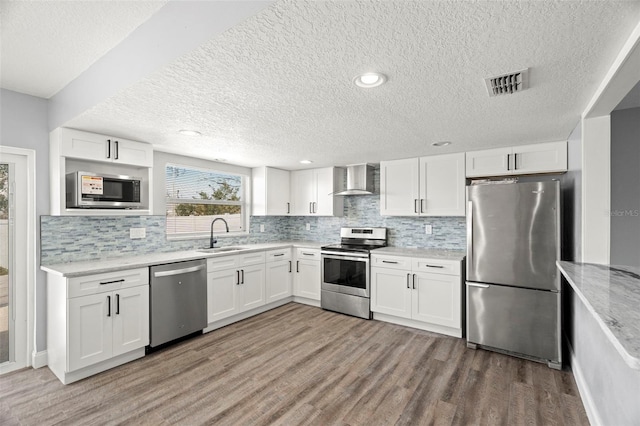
[345, 271]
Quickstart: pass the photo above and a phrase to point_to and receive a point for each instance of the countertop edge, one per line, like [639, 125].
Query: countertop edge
[144, 261]
[440, 254]
[629, 359]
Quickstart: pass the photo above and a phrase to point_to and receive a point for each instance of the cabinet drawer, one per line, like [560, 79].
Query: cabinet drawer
[391, 262]
[251, 259]
[222, 263]
[109, 281]
[308, 254]
[434, 266]
[280, 254]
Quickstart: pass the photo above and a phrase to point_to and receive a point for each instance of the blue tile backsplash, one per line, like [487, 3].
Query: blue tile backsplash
[76, 238]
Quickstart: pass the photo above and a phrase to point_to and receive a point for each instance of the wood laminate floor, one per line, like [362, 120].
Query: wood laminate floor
[301, 365]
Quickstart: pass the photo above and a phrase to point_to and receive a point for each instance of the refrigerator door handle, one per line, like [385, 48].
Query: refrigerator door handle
[469, 237]
[478, 285]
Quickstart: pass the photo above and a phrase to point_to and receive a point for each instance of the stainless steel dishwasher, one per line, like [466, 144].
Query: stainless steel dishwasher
[178, 300]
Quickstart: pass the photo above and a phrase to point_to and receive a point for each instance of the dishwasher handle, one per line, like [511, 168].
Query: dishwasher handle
[178, 271]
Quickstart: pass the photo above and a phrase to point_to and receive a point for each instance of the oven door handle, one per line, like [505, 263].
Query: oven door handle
[354, 258]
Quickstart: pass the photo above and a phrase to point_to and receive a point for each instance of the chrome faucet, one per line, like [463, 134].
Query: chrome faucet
[213, 241]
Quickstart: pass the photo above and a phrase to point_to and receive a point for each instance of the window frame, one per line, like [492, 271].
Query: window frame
[244, 204]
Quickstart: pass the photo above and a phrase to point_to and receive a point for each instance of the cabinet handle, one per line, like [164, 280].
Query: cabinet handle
[289, 266]
[414, 281]
[108, 306]
[278, 255]
[435, 266]
[389, 261]
[310, 208]
[116, 153]
[242, 282]
[108, 148]
[421, 202]
[288, 208]
[415, 205]
[112, 282]
[117, 304]
[508, 162]
[515, 161]
[297, 266]
[307, 254]
[315, 207]
[408, 275]
[237, 277]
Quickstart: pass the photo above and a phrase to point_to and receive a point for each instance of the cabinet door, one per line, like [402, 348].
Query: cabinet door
[90, 330]
[132, 152]
[540, 158]
[303, 192]
[86, 146]
[251, 287]
[222, 294]
[489, 162]
[307, 279]
[399, 193]
[391, 292]
[442, 185]
[278, 192]
[324, 189]
[436, 299]
[278, 280]
[130, 319]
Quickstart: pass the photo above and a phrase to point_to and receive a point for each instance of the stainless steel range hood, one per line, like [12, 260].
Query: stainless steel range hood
[359, 180]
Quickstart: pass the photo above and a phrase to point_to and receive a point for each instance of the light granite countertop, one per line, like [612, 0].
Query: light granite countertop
[612, 294]
[111, 264]
[422, 252]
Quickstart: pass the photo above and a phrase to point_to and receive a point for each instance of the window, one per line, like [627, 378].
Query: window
[195, 197]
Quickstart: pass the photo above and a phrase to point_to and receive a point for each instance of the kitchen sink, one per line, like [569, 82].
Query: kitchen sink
[219, 249]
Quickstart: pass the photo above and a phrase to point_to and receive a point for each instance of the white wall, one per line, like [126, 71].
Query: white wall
[23, 124]
[625, 187]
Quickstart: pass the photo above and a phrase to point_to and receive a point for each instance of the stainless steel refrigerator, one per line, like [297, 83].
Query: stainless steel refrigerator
[513, 286]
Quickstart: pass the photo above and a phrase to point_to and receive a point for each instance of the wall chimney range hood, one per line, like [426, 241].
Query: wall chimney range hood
[359, 180]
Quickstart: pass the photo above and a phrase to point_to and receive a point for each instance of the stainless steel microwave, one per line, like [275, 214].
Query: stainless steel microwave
[100, 191]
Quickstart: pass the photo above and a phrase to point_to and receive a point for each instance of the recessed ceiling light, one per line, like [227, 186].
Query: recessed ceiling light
[370, 79]
[187, 132]
[442, 143]
[306, 161]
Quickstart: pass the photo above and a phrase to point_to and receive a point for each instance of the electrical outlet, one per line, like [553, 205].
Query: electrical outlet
[136, 233]
[262, 227]
[428, 229]
[308, 227]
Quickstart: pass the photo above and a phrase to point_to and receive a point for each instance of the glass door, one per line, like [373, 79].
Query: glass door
[5, 268]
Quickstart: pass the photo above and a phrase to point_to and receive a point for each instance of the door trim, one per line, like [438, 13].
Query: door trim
[30, 157]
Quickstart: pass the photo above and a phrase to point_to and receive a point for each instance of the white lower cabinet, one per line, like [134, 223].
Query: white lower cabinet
[96, 322]
[279, 275]
[423, 293]
[307, 278]
[235, 284]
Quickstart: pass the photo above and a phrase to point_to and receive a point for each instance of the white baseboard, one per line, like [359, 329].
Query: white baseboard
[583, 389]
[39, 359]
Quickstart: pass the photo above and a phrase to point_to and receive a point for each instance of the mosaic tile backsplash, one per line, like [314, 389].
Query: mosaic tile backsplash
[76, 238]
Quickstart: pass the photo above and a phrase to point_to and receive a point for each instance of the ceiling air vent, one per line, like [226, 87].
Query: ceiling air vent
[508, 83]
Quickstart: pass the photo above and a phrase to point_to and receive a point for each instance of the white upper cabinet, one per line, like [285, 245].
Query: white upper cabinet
[271, 192]
[311, 192]
[94, 147]
[426, 186]
[518, 160]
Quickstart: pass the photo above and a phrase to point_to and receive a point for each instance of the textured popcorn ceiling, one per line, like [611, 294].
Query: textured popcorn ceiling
[46, 44]
[277, 87]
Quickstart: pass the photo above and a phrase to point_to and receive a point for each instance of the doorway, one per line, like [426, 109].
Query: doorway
[16, 256]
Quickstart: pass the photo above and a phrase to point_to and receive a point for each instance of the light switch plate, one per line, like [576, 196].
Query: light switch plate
[308, 227]
[428, 229]
[262, 227]
[136, 233]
